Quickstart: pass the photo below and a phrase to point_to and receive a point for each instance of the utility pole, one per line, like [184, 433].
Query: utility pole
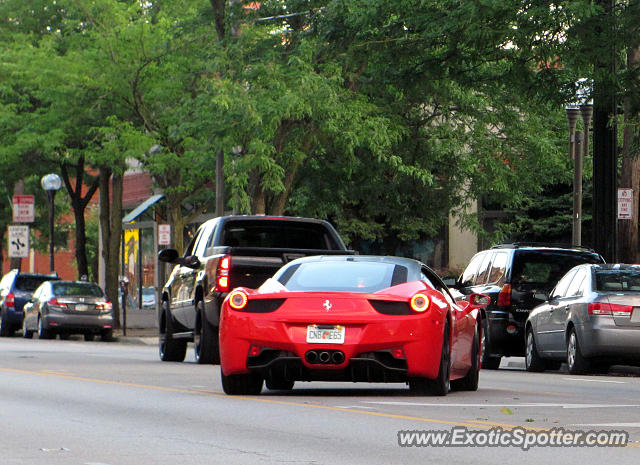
[605, 143]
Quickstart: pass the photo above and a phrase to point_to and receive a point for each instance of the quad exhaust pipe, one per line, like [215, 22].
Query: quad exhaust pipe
[324, 357]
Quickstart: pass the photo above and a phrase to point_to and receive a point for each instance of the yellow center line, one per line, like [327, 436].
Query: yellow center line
[468, 423]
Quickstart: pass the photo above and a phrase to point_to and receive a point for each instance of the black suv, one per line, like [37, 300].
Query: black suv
[516, 277]
[16, 289]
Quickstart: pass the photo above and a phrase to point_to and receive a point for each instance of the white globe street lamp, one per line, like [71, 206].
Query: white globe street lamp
[51, 183]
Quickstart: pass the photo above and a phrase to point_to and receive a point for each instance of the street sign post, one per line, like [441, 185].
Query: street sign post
[18, 241]
[23, 208]
[625, 204]
[164, 234]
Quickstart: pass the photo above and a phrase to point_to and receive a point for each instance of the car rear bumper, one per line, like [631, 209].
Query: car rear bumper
[74, 322]
[366, 352]
[603, 338]
[506, 334]
[12, 317]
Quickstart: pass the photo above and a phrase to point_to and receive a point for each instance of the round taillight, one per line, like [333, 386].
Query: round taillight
[419, 303]
[238, 300]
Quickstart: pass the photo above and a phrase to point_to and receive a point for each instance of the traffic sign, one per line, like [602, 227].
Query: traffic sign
[23, 208]
[164, 234]
[625, 204]
[18, 241]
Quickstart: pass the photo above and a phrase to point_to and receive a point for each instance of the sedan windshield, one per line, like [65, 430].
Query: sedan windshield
[618, 280]
[343, 276]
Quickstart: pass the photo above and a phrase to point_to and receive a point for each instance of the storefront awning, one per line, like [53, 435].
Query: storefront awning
[140, 209]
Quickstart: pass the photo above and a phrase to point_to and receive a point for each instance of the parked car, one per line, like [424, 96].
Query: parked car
[515, 276]
[68, 307]
[227, 252]
[16, 288]
[359, 318]
[591, 320]
[148, 297]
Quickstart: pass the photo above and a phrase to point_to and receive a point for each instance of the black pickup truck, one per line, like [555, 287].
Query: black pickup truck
[228, 252]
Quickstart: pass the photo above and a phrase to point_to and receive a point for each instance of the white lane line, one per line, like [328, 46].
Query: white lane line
[589, 380]
[607, 425]
[504, 404]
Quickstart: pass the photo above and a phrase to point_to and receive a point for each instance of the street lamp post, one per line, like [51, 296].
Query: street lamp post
[576, 232]
[51, 183]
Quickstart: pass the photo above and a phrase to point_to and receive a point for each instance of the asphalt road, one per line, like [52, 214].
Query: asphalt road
[74, 402]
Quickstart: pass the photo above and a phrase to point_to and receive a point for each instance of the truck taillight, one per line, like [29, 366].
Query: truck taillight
[10, 300]
[222, 274]
[504, 297]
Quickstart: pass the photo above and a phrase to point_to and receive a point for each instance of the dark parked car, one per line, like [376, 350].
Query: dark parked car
[591, 321]
[516, 277]
[68, 307]
[16, 289]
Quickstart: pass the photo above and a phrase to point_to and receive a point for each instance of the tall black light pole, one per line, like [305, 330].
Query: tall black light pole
[576, 230]
[51, 183]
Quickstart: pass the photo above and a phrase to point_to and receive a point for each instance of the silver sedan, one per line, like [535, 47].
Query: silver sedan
[590, 320]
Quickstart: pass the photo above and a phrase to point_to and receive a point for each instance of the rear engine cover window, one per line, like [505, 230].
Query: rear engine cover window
[344, 276]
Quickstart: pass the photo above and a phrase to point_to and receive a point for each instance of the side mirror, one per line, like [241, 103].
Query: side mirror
[190, 262]
[479, 300]
[168, 255]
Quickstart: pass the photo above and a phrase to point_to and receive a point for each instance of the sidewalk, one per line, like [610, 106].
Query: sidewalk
[141, 327]
[143, 336]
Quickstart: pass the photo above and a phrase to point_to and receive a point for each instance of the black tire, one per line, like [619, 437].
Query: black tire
[106, 335]
[576, 362]
[170, 350]
[532, 360]
[439, 386]
[236, 385]
[89, 337]
[205, 338]
[472, 378]
[43, 332]
[280, 384]
[487, 361]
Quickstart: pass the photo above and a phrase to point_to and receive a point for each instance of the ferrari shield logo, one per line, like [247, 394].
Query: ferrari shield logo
[327, 305]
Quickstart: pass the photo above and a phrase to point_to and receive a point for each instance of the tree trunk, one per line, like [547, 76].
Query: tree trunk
[111, 228]
[630, 178]
[177, 222]
[79, 205]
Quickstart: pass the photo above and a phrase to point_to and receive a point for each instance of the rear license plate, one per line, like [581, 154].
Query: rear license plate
[318, 334]
[635, 316]
[82, 307]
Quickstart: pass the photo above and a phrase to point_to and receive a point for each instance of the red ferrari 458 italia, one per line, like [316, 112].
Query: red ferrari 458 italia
[350, 318]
